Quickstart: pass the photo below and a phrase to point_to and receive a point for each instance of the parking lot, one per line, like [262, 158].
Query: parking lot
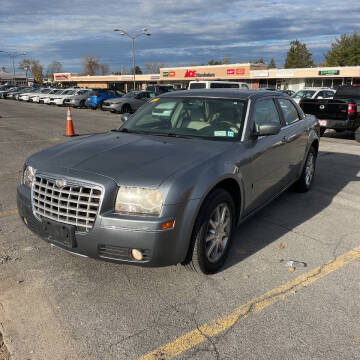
[55, 305]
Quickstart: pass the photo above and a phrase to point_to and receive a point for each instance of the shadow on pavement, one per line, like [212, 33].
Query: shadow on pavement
[293, 209]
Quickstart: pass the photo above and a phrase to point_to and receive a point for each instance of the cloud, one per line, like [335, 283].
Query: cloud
[182, 31]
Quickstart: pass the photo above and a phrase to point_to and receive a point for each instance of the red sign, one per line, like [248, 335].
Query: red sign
[61, 77]
[239, 71]
[172, 73]
[190, 73]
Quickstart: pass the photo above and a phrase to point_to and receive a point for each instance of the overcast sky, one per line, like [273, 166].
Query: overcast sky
[183, 31]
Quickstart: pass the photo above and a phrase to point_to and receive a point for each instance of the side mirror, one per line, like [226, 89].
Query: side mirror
[125, 117]
[266, 130]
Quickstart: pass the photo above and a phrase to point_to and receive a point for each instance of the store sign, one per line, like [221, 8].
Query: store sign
[165, 74]
[168, 73]
[195, 74]
[239, 71]
[154, 77]
[329, 72]
[61, 76]
[259, 73]
[284, 74]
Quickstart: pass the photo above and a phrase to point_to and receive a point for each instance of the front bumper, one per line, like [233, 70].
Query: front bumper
[113, 236]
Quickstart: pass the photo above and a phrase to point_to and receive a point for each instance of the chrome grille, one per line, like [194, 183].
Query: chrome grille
[74, 204]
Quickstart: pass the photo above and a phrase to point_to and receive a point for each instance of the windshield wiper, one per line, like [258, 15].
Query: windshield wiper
[171, 135]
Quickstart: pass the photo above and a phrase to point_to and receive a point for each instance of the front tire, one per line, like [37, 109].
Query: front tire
[212, 233]
[126, 109]
[307, 175]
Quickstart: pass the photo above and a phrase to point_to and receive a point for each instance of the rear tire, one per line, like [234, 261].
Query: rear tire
[126, 109]
[306, 179]
[212, 233]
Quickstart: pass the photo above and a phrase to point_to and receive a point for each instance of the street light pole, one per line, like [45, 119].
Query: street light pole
[123, 32]
[13, 55]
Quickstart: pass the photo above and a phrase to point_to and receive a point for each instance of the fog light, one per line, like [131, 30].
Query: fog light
[136, 254]
[167, 225]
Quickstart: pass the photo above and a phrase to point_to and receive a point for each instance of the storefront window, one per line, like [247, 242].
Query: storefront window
[308, 82]
[327, 83]
[263, 83]
[337, 82]
[317, 82]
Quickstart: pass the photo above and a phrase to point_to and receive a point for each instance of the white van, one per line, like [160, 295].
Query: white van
[217, 85]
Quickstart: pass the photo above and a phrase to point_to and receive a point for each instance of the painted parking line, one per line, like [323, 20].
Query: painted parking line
[197, 336]
[8, 212]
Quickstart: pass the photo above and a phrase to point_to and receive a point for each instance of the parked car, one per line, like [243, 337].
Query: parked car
[59, 99]
[79, 99]
[21, 91]
[5, 91]
[217, 85]
[160, 88]
[313, 93]
[340, 113]
[25, 96]
[127, 103]
[172, 183]
[35, 97]
[94, 101]
[45, 99]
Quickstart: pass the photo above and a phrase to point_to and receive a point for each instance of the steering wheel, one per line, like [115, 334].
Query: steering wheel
[227, 123]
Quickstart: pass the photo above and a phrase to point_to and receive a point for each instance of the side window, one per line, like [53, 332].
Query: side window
[266, 113]
[289, 111]
[321, 94]
[329, 94]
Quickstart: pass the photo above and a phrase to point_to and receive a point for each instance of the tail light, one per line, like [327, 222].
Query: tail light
[96, 95]
[351, 109]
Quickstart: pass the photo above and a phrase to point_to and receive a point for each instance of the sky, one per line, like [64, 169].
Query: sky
[182, 31]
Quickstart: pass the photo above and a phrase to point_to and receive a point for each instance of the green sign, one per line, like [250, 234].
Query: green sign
[165, 74]
[329, 72]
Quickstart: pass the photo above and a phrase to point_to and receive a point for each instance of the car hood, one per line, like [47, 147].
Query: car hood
[118, 100]
[128, 159]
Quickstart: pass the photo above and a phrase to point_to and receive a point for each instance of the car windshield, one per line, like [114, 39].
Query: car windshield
[304, 94]
[45, 91]
[209, 118]
[56, 91]
[131, 94]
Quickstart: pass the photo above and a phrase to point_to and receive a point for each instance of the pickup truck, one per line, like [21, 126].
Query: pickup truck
[340, 113]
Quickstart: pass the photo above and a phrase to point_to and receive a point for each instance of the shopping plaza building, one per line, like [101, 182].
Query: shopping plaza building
[255, 75]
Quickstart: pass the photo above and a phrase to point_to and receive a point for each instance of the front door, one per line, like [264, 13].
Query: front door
[267, 169]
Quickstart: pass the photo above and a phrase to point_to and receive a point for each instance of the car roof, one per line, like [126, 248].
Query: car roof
[223, 93]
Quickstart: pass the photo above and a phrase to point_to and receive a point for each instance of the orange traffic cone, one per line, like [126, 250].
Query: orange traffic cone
[69, 124]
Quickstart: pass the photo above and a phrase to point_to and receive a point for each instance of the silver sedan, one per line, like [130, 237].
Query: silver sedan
[127, 103]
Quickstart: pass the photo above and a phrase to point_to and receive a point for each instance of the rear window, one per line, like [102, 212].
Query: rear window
[224, 85]
[197, 86]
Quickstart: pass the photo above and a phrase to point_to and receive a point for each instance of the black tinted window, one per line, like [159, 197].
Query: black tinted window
[223, 85]
[266, 113]
[197, 86]
[289, 111]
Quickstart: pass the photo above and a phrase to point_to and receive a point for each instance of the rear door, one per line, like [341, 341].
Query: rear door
[294, 134]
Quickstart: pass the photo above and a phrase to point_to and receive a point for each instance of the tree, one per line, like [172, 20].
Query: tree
[90, 64]
[344, 51]
[272, 64]
[33, 66]
[25, 64]
[137, 70]
[104, 69]
[37, 71]
[154, 67]
[260, 61]
[54, 67]
[298, 56]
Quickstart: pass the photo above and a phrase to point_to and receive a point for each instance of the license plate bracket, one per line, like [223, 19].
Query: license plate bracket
[59, 233]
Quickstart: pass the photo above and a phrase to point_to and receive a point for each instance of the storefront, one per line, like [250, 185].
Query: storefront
[256, 75]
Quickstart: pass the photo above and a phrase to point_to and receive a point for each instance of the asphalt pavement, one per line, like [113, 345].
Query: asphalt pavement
[55, 305]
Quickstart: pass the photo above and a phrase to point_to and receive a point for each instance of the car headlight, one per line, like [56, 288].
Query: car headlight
[28, 176]
[139, 201]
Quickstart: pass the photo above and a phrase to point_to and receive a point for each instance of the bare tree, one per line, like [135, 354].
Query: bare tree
[104, 69]
[54, 67]
[90, 64]
[154, 67]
